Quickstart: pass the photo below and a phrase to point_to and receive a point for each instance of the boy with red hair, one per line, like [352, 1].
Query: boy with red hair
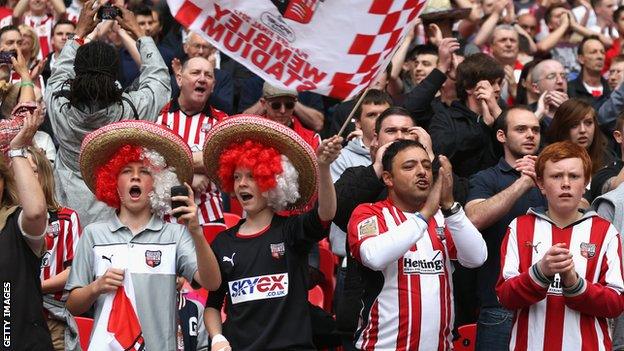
[561, 267]
[263, 259]
[127, 265]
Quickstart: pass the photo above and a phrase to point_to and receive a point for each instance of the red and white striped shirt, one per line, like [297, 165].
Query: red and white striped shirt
[61, 243]
[6, 16]
[193, 130]
[42, 26]
[408, 294]
[548, 316]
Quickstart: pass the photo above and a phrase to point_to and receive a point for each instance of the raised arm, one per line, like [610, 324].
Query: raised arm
[33, 220]
[555, 36]
[327, 153]
[153, 90]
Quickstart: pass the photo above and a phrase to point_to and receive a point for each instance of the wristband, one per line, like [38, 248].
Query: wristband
[217, 338]
[26, 84]
[80, 41]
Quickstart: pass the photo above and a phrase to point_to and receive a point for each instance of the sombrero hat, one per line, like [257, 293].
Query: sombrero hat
[99, 145]
[240, 128]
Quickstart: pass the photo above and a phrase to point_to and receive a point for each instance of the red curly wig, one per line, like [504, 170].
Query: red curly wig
[263, 161]
[106, 174]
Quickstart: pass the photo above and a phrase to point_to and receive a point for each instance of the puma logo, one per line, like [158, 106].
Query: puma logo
[528, 243]
[229, 259]
[108, 258]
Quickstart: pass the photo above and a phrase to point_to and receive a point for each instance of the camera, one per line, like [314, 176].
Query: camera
[108, 12]
[5, 57]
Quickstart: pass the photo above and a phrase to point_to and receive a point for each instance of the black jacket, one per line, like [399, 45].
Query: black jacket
[418, 100]
[576, 89]
[463, 137]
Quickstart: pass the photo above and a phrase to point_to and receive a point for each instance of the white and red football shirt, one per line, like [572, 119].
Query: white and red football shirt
[193, 130]
[549, 317]
[408, 305]
[42, 26]
[61, 243]
[6, 16]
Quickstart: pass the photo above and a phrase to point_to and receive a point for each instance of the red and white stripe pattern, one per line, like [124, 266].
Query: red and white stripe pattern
[193, 130]
[412, 311]
[61, 243]
[545, 318]
[42, 26]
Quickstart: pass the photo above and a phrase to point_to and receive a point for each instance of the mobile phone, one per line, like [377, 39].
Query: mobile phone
[108, 12]
[5, 57]
[178, 190]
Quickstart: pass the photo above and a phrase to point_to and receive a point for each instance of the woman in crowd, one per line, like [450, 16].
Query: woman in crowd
[61, 242]
[23, 222]
[575, 120]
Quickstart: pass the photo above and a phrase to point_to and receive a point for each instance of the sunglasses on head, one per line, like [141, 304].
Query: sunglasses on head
[276, 105]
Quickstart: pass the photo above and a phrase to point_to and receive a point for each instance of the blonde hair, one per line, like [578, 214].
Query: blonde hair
[28, 31]
[46, 178]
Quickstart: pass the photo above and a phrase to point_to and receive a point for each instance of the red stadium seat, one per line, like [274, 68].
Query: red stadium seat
[84, 330]
[467, 338]
[316, 296]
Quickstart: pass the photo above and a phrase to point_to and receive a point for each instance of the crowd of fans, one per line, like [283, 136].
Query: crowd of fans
[480, 181]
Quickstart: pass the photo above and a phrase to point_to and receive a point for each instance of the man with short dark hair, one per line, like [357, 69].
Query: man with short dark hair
[464, 132]
[590, 84]
[130, 68]
[61, 32]
[405, 253]
[10, 38]
[496, 196]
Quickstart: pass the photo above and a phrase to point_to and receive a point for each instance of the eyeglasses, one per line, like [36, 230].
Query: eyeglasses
[553, 76]
[276, 105]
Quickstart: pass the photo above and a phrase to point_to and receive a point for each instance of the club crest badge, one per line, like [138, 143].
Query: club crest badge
[152, 258]
[440, 233]
[54, 229]
[45, 260]
[588, 250]
[368, 227]
[277, 250]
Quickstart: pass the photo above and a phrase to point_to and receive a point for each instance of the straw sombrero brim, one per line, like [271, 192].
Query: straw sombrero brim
[240, 128]
[99, 145]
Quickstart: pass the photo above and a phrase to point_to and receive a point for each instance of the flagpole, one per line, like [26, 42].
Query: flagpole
[357, 104]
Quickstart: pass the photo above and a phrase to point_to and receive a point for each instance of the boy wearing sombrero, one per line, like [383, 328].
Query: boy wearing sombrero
[131, 166]
[263, 259]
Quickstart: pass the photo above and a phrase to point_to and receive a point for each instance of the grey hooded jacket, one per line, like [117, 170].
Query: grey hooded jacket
[71, 124]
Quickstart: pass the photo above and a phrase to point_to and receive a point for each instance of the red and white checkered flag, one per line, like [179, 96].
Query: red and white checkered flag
[332, 47]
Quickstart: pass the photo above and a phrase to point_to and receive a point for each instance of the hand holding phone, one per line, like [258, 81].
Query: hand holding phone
[5, 57]
[108, 12]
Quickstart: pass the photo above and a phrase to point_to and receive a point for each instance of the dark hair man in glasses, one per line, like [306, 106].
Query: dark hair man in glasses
[279, 105]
